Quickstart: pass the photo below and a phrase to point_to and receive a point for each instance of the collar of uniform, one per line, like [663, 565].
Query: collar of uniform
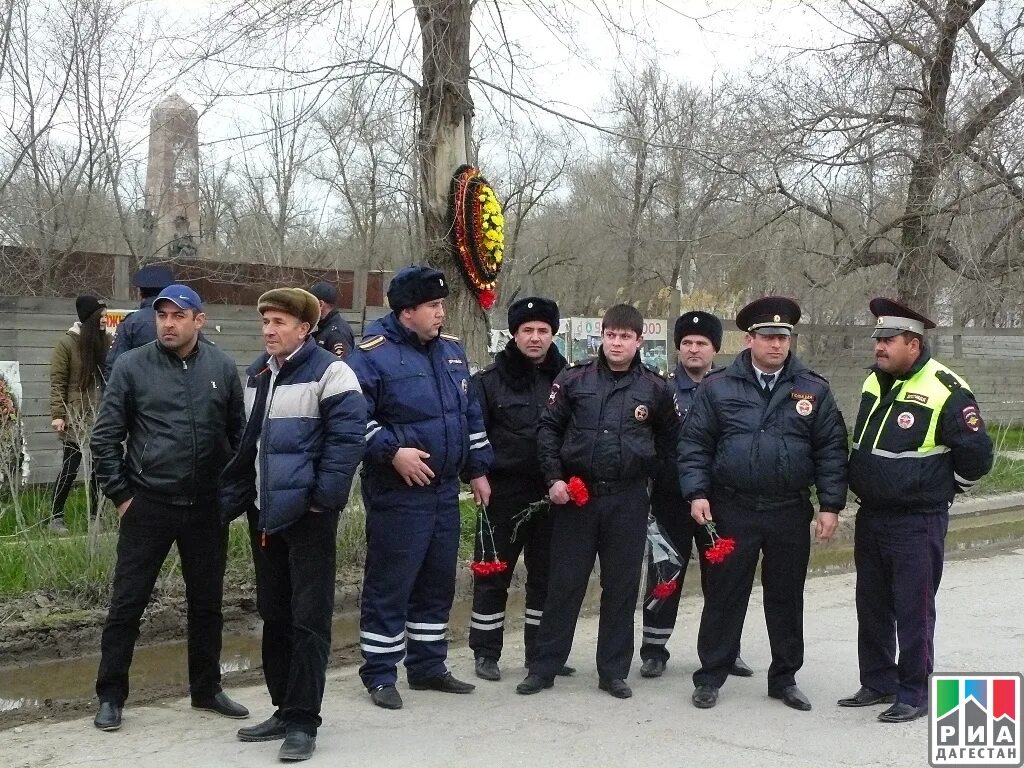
[406, 334]
[517, 371]
[603, 362]
[683, 380]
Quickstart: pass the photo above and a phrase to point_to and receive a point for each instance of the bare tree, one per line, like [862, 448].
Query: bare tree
[895, 135]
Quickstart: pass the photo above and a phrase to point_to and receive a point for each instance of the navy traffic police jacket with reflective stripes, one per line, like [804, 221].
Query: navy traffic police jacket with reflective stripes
[310, 433]
[418, 396]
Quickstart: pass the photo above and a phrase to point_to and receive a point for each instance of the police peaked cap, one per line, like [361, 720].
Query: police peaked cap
[530, 309]
[892, 319]
[292, 301]
[153, 277]
[415, 285]
[324, 291]
[769, 316]
[697, 323]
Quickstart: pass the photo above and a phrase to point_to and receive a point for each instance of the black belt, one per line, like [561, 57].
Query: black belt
[608, 487]
[178, 501]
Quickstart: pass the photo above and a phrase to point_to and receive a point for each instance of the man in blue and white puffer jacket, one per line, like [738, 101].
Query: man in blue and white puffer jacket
[291, 477]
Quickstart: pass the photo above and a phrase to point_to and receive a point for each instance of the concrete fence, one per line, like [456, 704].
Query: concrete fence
[992, 360]
[31, 327]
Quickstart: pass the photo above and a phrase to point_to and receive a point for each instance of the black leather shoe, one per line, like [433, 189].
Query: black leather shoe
[108, 718]
[386, 697]
[652, 668]
[297, 746]
[533, 684]
[793, 697]
[616, 688]
[566, 671]
[271, 729]
[487, 669]
[901, 713]
[866, 697]
[446, 683]
[704, 696]
[740, 668]
[222, 704]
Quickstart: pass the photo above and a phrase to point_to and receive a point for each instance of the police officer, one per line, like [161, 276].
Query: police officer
[512, 393]
[333, 332]
[424, 430]
[140, 326]
[698, 337]
[607, 421]
[919, 439]
[759, 434]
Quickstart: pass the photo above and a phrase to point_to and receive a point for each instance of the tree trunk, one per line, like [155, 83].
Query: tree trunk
[446, 113]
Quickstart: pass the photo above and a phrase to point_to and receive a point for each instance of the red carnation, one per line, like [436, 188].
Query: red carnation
[721, 546]
[578, 493]
[487, 299]
[664, 589]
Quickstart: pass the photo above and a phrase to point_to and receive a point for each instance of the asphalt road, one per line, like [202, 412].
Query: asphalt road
[981, 603]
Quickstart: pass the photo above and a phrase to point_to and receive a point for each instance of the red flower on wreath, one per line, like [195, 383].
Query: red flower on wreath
[487, 299]
[578, 492]
[664, 589]
[721, 546]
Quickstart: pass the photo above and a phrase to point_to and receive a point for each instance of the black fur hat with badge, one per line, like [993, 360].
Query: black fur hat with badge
[532, 308]
[697, 323]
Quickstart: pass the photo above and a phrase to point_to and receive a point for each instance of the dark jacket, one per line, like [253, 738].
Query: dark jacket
[68, 401]
[334, 334]
[182, 419]
[606, 429]
[684, 388]
[886, 482]
[513, 393]
[136, 329]
[735, 440]
[310, 431]
[417, 396]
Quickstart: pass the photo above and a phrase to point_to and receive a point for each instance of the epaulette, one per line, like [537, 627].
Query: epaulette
[449, 337]
[949, 381]
[672, 375]
[715, 374]
[371, 343]
[813, 375]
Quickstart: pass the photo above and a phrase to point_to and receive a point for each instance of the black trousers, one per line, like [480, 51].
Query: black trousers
[781, 535]
[673, 516]
[614, 529]
[295, 599]
[899, 560]
[70, 463]
[490, 593]
[148, 529]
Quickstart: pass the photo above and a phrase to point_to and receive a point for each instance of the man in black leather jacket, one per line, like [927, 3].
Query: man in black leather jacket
[178, 404]
[607, 421]
[513, 392]
[759, 434]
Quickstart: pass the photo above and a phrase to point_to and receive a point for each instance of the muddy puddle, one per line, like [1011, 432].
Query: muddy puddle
[159, 670]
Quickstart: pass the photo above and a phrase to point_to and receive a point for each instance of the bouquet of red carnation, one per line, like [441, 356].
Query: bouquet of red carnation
[487, 562]
[664, 561]
[578, 492]
[721, 546]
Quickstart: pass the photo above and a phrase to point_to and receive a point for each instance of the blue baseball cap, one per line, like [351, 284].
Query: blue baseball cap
[182, 296]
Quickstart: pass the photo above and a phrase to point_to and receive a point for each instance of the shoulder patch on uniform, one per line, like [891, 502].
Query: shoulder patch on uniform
[450, 337]
[716, 374]
[814, 375]
[949, 381]
[371, 343]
